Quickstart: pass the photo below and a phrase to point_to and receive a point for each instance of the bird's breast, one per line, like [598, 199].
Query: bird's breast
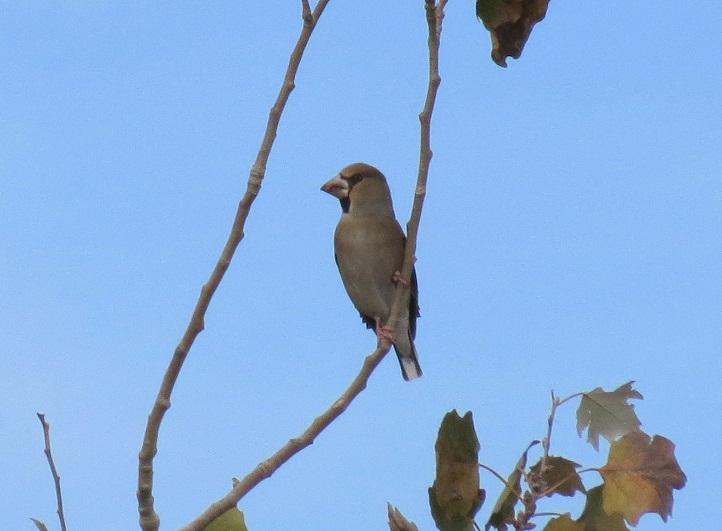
[368, 251]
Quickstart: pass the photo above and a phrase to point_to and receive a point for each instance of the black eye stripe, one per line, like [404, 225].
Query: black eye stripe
[354, 179]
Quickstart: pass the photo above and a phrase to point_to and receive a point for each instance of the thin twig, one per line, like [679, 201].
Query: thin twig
[591, 469]
[266, 468]
[500, 478]
[434, 15]
[149, 519]
[434, 19]
[549, 490]
[530, 497]
[535, 515]
[306, 13]
[546, 442]
[53, 470]
[558, 484]
[570, 397]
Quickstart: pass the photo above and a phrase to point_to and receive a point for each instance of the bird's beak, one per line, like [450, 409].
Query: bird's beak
[337, 187]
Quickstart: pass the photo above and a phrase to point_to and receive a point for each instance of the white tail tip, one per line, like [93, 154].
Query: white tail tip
[410, 369]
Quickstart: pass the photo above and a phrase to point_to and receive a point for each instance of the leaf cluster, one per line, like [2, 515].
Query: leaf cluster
[638, 478]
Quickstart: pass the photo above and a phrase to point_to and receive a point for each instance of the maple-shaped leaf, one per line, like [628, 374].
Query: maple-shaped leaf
[639, 476]
[595, 518]
[564, 523]
[503, 511]
[510, 23]
[455, 496]
[558, 477]
[607, 413]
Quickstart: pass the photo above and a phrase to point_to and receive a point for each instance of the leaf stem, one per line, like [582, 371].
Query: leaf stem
[500, 478]
[546, 442]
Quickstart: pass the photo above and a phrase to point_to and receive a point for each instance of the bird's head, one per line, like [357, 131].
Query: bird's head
[362, 189]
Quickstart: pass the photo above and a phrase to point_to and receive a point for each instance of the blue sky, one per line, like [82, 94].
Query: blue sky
[570, 239]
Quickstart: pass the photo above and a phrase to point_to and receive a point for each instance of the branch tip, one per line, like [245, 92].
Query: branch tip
[54, 471]
[149, 520]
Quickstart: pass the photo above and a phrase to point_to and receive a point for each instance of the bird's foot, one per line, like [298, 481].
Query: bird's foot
[385, 332]
[396, 277]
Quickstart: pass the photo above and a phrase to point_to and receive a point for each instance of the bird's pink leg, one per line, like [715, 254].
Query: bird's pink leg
[396, 277]
[385, 332]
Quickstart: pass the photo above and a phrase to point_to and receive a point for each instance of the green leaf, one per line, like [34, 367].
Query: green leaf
[455, 496]
[231, 520]
[595, 518]
[607, 413]
[503, 511]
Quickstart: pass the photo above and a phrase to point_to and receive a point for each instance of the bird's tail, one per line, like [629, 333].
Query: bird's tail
[408, 358]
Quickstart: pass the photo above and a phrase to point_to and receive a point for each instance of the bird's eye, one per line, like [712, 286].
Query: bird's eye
[354, 179]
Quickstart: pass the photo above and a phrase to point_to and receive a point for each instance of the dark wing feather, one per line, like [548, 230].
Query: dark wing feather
[413, 305]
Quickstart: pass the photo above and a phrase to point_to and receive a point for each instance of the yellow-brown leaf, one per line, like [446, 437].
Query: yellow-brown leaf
[564, 523]
[639, 476]
[558, 477]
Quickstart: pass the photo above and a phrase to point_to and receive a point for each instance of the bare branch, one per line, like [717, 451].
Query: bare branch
[149, 519]
[53, 471]
[434, 15]
[434, 19]
[266, 468]
[306, 12]
[546, 442]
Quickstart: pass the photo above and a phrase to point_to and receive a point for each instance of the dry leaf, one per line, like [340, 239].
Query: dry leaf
[607, 413]
[503, 511]
[564, 523]
[595, 519]
[397, 521]
[510, 23]
[639, 476]
[455, 496]
[39, 524]
[560, 475]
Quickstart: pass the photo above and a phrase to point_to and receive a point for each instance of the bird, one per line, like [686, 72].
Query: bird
[369, 250]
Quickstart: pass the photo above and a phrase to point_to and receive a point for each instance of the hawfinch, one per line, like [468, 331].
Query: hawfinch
[369, 246]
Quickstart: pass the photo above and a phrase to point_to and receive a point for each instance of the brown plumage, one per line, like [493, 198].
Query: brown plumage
[369, 246]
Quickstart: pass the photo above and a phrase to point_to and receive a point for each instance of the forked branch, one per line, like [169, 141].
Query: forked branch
[434, 16]
[434, 19]
[149, 519]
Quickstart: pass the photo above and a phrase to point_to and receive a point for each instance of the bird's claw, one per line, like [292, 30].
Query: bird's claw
[385, 332]
[396, 277]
